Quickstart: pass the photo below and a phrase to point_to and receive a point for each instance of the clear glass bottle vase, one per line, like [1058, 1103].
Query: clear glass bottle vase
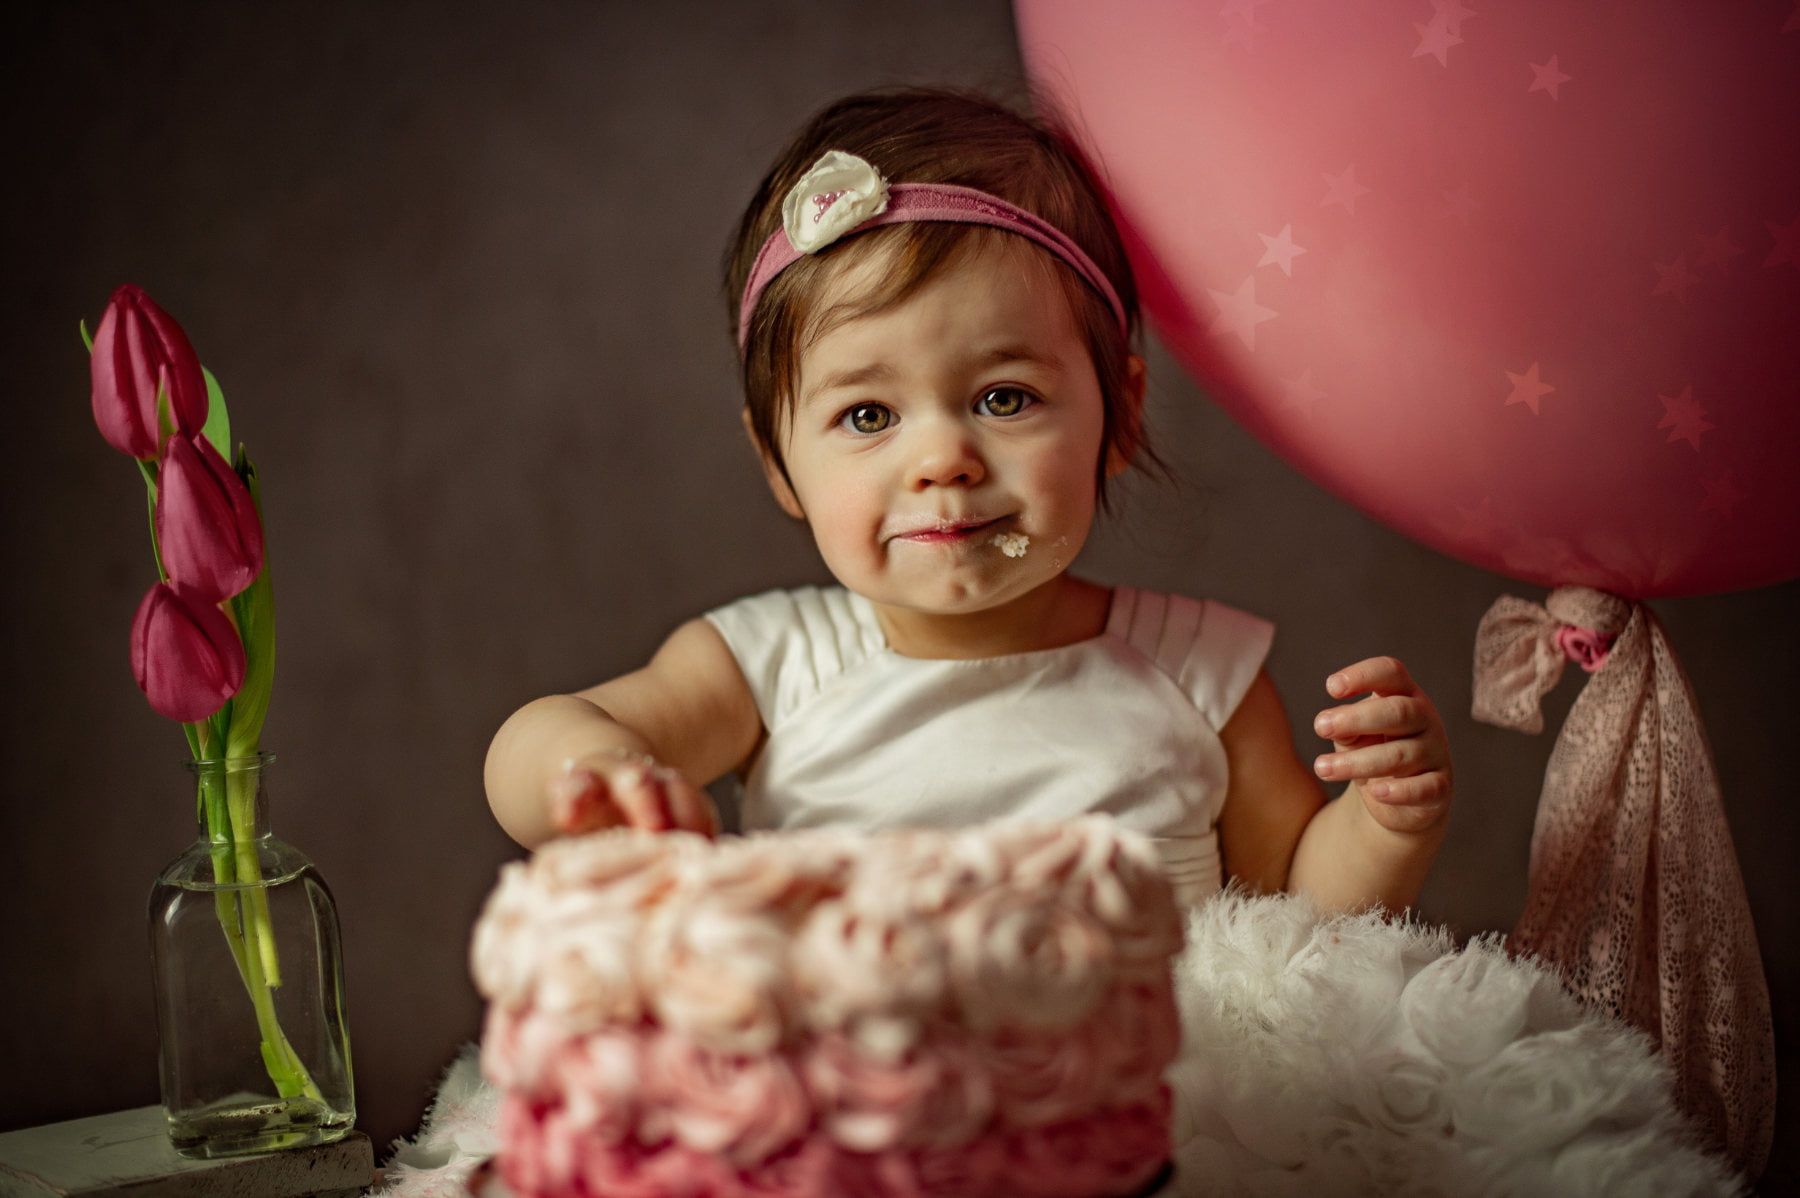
[254, 1047]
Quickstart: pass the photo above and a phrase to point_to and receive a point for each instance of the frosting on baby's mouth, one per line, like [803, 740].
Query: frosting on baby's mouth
[1012, 544]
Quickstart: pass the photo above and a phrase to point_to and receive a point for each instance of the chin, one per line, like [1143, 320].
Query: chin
[956, 596]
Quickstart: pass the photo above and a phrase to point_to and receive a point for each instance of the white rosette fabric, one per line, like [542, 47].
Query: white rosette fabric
[1359, 1056]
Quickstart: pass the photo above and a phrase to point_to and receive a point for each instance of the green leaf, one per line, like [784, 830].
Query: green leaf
[218, 723]
[165, 420]
[218, 420]
[148, 470]
[85, 339]
[254, 609]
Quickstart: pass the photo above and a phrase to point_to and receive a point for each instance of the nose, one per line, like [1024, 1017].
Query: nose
[945, 453]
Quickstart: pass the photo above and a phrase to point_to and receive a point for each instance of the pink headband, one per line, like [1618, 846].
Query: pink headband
[842, 194]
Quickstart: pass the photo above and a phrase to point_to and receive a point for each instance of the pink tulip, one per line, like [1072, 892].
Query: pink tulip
[206, 522]
[138, 348]
[185, 654]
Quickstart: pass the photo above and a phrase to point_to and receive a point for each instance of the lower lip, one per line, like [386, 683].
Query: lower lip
[959, 534]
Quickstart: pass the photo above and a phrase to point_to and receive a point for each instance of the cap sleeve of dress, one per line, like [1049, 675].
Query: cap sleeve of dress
[1211, 650]
[1226, 657]
[789, 643]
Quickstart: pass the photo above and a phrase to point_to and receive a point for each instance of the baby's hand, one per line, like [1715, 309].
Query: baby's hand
[1391, 745]
[614, 789]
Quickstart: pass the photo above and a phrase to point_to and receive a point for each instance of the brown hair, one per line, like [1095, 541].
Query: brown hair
[931, 135]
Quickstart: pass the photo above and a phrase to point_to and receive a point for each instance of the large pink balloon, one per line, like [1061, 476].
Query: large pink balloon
[1521, 281]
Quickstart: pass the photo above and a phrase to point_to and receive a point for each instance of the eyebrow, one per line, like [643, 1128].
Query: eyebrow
[880, 372]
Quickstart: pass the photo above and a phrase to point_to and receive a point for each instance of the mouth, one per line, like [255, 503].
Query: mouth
[948, 531]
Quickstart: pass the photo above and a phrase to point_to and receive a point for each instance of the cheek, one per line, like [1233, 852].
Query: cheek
[1064, 480]
[842, 505]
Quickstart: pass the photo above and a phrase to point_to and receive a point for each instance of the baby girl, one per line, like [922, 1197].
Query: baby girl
[937, 324]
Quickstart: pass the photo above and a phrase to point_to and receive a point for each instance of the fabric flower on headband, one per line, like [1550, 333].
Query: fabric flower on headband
[840, 192]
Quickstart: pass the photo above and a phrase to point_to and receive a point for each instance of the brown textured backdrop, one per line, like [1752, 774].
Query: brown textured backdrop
[455, 267]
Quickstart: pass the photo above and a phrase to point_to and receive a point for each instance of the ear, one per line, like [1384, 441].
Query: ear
[1131, 419]
[778, 483]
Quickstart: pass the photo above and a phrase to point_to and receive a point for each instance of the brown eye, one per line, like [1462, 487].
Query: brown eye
[867, 418]
[1006, 401]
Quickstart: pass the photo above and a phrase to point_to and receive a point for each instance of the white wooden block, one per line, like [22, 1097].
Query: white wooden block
[127, 1153]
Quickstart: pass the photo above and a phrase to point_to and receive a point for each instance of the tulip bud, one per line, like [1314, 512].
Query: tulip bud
[206, 522]
[185, 654]
[138, 348]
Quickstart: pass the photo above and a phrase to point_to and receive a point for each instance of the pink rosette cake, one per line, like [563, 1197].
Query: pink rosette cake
[981, 1012]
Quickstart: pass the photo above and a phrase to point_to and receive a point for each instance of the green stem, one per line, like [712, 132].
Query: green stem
[229, 802]
[212, 802]
[284, 1065]
[241, 801]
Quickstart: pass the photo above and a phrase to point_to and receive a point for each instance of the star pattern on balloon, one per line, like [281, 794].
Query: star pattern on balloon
[1718, 249]
[1459, 203]
[1675, 279]
[1280, 250]
[1684, 417]
[1343, 189]
[1547, 77]
[1452, 13]
[1452, 205]
[1436, 39]
[1722, 494]
[1301, 394]
[1787, 243]
[1239, 312]
[1527, 389]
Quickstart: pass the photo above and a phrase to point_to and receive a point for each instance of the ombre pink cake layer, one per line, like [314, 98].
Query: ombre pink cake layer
[549, 1154]
[650, 1085]
[817, 1013]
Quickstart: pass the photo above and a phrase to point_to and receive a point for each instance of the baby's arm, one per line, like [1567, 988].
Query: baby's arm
[1375, 842]
[1271, 796]
[634, 750]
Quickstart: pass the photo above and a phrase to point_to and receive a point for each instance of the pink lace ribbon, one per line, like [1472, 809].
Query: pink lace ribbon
[1634, 890]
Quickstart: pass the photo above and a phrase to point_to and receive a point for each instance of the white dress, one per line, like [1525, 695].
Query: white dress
[1125, 723]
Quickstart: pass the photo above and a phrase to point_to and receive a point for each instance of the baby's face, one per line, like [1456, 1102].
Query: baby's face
[928, 440]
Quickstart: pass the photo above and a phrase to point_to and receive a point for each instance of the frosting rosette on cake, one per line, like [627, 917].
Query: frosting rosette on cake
[587, 972]
[881, 973]
[718, 972]
[980, 1012]
[1020, 958]
[1120, 882]
[503, 954]
[762, 876]
[938, 1095]
[631, 872]
[743, 1107]
[925, 874]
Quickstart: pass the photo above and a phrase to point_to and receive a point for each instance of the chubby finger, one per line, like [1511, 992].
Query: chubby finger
[1382, 675]
[1431, 788]
[643, 798]
[1377, 715]
[1389, 759]
[580, 801]
[689, 807]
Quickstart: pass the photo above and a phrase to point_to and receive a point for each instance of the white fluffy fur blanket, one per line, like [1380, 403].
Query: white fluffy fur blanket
[1337, 1056]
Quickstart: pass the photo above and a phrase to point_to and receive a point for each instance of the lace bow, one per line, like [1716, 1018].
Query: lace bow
[1634, 890]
